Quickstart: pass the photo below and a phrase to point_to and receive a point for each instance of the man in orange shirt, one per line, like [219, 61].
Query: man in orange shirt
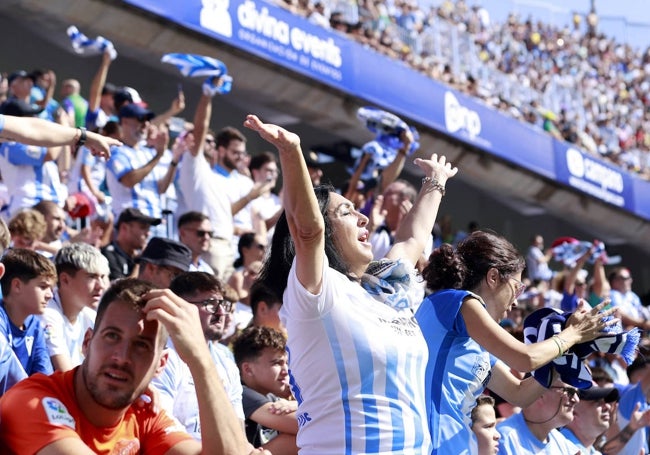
[97, 408]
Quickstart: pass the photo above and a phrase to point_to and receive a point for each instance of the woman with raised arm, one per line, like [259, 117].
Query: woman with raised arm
[473, 288]
[356, 354]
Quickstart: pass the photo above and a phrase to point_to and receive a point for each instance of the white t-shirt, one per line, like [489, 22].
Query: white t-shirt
[177, 392]
[63, 336]
[356, 370]
[204, 191]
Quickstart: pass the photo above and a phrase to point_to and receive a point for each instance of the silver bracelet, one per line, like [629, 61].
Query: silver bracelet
[434, 184]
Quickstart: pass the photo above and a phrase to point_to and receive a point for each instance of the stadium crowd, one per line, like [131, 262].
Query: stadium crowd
[157, 289]
[574, 82]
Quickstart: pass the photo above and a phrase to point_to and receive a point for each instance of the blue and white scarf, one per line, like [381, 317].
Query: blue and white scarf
[388, 282]
[192, 65]
[542, 324]
[85, 46]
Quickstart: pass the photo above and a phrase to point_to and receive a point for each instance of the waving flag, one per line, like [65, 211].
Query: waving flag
[568, 250]
[192, 65]
[83, 45]
[383, 149]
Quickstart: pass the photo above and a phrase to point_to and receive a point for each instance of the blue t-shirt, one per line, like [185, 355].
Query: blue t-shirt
[11, 371]
[28, 344]
[517, 439]
[457, 371]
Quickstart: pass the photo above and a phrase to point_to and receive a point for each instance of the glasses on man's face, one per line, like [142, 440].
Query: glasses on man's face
[213, 304]
[519, 287]
[570, 392]
[202, 233]
[210, 141]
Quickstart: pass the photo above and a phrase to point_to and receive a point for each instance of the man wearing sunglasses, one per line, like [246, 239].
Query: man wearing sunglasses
[175, 383]
[627, 302]
[535, 429]
[195, 231]
[591, 417]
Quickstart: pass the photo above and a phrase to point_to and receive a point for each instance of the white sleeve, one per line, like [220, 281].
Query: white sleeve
[54, 325]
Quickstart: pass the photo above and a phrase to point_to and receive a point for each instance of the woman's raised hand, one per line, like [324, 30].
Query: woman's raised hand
[589, 323]
[437, 167]
[284, 140]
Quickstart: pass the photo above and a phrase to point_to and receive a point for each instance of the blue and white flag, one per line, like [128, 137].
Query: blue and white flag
[83, 45]
[568, 250]
[192, 65]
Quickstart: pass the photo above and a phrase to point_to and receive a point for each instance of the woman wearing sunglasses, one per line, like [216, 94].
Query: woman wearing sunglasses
[473, 288]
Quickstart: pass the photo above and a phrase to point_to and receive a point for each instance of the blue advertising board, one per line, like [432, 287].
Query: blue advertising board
[285, 39]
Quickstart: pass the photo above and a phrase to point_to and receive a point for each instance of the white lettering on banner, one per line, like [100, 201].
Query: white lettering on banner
[262, 22]
[460, 118]
[583, 167]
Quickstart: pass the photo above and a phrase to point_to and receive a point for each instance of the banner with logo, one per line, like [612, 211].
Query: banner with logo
[276, 35]
[590, 175]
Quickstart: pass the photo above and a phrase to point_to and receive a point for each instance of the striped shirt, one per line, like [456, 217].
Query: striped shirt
[356, 370]
[143, 195]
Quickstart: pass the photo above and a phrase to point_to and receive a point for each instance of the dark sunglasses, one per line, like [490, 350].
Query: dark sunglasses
[570, 392]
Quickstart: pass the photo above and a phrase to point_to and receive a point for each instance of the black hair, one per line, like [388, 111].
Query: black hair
[245, 241]
[276, 268]
[261, 293]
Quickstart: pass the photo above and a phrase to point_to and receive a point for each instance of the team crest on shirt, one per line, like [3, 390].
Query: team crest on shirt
[57, 413]
[33, 151]
[481, 370]
[126, 447]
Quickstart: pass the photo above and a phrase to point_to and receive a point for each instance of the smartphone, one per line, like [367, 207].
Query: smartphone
[180, 88]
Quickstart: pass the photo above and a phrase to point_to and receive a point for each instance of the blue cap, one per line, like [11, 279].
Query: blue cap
[136, 111]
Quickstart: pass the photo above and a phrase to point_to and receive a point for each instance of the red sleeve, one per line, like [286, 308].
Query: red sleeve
[32, 417]
[160, 433]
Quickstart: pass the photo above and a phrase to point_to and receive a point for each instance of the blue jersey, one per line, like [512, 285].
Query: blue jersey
[11, 371]
[28, 344]
[457, 371]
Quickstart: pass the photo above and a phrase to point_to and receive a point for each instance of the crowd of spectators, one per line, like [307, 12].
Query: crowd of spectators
[574, 82]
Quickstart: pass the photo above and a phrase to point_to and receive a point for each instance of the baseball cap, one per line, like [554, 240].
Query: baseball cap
[21, 74]
[609, 394]
[312, 159]
[133, 214]
[136, 111]
[83, 205]
[127, 95]
[166, 252]
[19, 108]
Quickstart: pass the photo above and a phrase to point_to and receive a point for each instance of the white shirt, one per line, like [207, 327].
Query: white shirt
[63, 336]
[204, 191]
[177, 392]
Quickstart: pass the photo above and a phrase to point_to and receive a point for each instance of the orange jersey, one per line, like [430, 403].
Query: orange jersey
[42, 409]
